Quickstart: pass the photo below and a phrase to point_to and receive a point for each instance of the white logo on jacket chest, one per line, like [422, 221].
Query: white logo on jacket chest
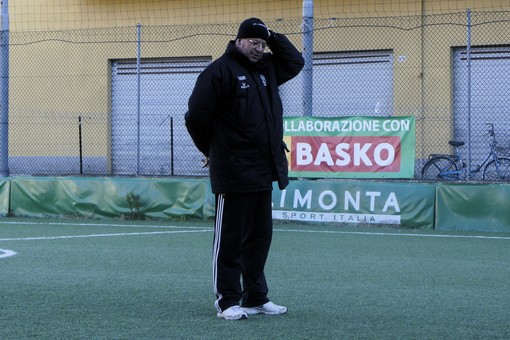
[242, 79]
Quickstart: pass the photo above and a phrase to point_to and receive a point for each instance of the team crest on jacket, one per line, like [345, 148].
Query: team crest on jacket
[242, 79]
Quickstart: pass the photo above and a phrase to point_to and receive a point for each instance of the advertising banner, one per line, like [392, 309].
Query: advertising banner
[350, 147]
[358, 202]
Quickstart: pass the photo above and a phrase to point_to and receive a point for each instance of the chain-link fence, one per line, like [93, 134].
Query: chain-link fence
[111, 101]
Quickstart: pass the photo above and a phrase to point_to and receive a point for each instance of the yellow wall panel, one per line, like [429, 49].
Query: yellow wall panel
[67, 74]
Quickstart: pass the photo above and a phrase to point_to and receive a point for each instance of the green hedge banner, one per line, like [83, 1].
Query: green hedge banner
[477, 207]
[5, 191]
[350, 147]
[359, 202]
[133, 198]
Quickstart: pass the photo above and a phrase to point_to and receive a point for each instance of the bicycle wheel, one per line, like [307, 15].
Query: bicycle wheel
[440, 168]
[499, 171]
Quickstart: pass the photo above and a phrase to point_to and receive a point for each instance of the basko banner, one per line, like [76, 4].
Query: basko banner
[350, 147]
[358, 202]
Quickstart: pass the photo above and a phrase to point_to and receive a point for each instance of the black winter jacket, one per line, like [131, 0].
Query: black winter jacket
[235, 117]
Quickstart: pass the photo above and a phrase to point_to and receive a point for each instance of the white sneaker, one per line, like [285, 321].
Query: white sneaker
[268, 308]
[233, 313]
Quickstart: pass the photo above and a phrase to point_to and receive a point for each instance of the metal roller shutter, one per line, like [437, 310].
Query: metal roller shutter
[165, 86]
[346, 84]
[488, 99]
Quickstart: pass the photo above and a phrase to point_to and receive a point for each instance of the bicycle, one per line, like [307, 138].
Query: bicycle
[453, 167]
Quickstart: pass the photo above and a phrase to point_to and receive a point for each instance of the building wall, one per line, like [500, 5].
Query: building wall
[61, 53]
[29, 15]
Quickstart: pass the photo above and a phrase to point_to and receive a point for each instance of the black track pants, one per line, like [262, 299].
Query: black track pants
[242, 237]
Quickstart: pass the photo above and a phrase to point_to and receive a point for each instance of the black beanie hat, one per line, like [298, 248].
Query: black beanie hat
[253, 28]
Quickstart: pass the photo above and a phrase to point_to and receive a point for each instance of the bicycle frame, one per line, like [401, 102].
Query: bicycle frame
[463, 172]
[496, 165]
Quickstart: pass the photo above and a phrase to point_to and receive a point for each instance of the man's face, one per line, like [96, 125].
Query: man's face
[252, 48]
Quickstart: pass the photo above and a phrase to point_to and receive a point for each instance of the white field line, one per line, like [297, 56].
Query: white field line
[6, 253]
[99, 225]
[104, 235]
[396, 234]
[186, 229]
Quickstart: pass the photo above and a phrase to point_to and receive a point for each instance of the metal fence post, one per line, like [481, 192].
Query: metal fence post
[308, 56]
[80, 143]
[4, 91]
[138, 98]
[469, 89]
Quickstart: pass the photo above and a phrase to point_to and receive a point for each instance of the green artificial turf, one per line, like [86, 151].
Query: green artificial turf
[73, 279]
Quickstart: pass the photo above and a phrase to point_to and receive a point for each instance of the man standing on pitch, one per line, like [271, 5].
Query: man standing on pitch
[235, 119]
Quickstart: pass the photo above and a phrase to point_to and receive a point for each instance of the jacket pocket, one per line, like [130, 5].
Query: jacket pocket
[249, 169]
